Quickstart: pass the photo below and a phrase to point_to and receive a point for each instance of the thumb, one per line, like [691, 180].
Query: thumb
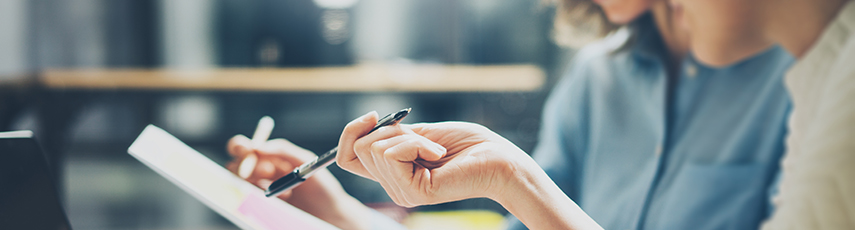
[357, 128]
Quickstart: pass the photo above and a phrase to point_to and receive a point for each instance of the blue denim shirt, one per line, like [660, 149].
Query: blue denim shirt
[637, 149]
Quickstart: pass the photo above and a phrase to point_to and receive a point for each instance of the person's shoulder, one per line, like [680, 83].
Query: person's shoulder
[596, 60]
[605, 49]
[601, 59]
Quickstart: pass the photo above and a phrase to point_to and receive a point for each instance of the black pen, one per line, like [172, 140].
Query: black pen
[306, 170]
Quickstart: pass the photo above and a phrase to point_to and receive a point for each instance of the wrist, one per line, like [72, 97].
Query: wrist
[516, 180]
[514, 175]
[531, 196]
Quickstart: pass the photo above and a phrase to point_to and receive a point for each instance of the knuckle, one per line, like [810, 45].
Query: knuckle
[412, 142]
[360, 144]
[377, 147]
[351, 123]
[391, 130]
[422, 144]
[383, 129]
[345, 163]
[397, 130]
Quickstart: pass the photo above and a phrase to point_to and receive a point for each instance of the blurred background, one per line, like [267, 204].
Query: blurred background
[87, 129]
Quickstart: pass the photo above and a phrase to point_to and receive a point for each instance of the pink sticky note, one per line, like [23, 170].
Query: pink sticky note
[257, 208]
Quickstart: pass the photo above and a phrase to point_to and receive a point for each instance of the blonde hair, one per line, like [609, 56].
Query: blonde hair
[579, 22]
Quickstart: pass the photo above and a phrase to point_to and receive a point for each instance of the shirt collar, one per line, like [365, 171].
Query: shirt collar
[646, 42]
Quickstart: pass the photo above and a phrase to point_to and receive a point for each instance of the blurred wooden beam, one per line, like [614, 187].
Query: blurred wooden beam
[358, 78]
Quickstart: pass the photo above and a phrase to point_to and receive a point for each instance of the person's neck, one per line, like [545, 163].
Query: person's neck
[798, 24]
[675, 39]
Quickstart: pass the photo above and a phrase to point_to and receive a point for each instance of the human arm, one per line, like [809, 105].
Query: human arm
[562, 139]
[441, 162]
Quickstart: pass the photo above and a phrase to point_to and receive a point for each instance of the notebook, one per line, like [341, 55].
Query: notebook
[237, 200]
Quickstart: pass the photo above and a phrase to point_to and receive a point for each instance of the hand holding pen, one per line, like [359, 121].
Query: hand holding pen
[262, 132]
[317, 195]
[306, 170]
[260, 161]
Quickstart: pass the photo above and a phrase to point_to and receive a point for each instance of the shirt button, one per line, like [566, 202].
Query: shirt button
[691, 71]
[658, 151]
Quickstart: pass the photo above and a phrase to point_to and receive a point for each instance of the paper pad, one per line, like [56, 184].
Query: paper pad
[232, 197]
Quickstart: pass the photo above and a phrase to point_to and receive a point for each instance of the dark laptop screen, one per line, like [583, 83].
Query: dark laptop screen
[28, 198]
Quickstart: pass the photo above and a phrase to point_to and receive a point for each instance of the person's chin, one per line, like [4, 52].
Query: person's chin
[601, 2]
[622, 17]
[722, 55]
[715, 58]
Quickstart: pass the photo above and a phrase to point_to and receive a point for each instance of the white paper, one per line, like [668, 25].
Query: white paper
[235, 199]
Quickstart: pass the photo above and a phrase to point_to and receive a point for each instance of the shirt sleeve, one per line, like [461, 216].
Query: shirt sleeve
[817, 188]
[772, 192]
[817, 184]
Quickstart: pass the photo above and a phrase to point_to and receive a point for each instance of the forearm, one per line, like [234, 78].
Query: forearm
[537, 202]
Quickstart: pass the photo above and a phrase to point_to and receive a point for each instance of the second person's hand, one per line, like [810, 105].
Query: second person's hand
[320, 195]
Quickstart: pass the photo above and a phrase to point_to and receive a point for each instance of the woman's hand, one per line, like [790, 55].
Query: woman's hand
[432, 163]
[320, 195]
[276, 158]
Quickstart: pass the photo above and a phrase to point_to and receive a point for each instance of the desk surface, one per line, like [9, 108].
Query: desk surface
[357, 78]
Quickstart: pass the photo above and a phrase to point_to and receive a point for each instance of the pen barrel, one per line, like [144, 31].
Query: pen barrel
[322, 161]
[328, 158]
[304, 171]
